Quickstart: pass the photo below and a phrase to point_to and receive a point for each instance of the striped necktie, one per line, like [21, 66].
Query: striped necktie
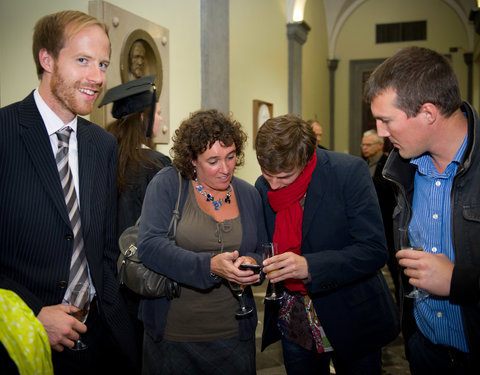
[78, 265]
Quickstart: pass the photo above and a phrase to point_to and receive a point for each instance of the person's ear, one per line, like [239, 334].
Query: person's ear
[430, 112]
[46, 60]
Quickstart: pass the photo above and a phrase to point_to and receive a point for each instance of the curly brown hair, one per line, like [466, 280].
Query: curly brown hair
[200, 131]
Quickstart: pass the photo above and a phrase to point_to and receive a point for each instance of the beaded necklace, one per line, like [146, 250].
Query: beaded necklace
[210, 197]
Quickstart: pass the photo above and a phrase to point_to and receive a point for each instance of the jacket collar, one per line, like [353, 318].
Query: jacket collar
[401, 171]
[39, 149]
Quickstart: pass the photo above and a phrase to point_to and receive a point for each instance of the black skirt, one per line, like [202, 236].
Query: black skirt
[222, 357]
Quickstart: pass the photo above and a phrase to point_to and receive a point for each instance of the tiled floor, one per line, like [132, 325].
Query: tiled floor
[270, 362]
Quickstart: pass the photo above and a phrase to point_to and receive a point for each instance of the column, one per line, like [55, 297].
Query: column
[297, 35]
[215, 36]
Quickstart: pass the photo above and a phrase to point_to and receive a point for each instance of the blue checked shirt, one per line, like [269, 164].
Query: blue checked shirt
[438, 319]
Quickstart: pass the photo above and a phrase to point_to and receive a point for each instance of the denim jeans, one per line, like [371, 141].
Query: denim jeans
[299, 361]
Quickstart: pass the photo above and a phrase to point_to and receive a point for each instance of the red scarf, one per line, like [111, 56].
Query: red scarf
[288, 224]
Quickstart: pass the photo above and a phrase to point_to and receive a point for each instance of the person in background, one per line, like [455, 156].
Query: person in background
[322, 210]
[318, 130]
[415, 99]
[58, 198]
[221, 227]
[138, 118]
[372, 151]
[137, 113]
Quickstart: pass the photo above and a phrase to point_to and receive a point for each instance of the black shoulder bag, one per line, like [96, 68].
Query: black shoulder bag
[134, 274]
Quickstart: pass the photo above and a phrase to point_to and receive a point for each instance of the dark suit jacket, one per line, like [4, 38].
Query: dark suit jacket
[344, 244]
[386, 197]
[35, 231]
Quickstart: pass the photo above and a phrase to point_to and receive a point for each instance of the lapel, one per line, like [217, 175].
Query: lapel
[37, 144]
[86, 169]
[315, 192]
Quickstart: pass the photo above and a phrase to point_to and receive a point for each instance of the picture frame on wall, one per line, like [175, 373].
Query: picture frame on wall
[262, 111]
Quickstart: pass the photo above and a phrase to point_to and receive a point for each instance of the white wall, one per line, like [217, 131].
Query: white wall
[315, 74]
[17, 18]
[258, 66]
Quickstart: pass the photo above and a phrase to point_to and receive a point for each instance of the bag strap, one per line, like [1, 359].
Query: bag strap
[175, 213]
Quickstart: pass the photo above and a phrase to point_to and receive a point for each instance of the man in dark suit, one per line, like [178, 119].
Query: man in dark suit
[321, 209]
[71, 51]
[373, 152]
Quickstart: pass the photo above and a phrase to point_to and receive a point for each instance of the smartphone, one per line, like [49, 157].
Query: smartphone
[254, 267]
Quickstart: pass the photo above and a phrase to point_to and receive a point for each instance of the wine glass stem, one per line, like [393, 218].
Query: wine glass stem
[242, 304]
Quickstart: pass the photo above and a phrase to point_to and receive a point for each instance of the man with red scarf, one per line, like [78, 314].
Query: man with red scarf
[320, 207]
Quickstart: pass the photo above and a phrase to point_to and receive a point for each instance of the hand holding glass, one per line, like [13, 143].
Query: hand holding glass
[238, 289]
[270, 249]
[413, 240]
[80, 298]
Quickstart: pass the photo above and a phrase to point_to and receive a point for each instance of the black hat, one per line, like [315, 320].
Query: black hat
[131, 97]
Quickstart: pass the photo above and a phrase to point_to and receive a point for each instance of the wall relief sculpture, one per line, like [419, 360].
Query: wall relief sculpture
[140, 57]
[139, 48]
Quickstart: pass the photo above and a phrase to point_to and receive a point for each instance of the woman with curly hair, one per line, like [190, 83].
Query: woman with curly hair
[221, 227]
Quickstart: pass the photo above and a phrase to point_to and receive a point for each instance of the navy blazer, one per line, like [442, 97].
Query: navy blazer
[344, 243]
[35, 231]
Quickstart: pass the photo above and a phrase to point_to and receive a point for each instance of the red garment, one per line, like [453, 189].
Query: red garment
[288, 223]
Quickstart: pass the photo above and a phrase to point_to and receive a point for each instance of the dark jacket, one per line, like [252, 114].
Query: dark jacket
[182, 265]
[35, 231]
[465, 216]
[130, 200]
[344, 244]
[386, 198]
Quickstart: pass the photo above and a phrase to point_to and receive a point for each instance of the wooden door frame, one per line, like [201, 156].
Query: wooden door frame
[357, 69]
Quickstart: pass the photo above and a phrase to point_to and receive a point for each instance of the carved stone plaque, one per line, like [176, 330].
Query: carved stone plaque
[139, 48]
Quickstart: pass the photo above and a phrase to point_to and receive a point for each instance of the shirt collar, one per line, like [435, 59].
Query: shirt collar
[425, 164]
[52, 122]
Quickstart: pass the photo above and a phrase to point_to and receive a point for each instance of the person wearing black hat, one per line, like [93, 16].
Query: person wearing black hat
[137, 113]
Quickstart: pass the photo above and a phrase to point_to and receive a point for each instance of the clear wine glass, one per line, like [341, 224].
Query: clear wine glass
[270, 249]
[80, 298]
[238, 289]
[413, 239]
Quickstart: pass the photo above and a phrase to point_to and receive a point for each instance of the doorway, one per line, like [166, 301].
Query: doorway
[361, 118]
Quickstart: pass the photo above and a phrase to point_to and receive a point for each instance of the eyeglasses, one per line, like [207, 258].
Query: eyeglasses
[368, 144]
